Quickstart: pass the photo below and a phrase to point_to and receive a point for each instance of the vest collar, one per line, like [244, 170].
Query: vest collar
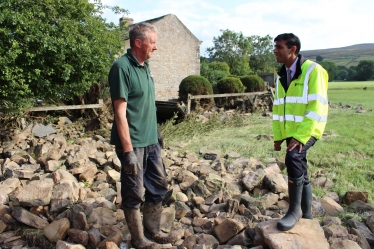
[283, 73]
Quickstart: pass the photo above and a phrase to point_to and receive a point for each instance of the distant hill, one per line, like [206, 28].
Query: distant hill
[345, 56]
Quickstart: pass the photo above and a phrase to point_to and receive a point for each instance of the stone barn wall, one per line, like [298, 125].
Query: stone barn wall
[177, 57]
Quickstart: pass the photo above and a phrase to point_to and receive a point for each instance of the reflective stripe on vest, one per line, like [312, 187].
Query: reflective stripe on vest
[290, 117]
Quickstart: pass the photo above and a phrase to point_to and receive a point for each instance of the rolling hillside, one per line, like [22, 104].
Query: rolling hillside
[345, 56]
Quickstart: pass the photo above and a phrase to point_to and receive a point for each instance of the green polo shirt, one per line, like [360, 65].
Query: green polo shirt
[134, 83]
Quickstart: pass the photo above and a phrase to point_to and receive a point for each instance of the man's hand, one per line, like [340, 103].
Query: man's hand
[277, 145]
[160, 139]
[130, 163]
[293, 144]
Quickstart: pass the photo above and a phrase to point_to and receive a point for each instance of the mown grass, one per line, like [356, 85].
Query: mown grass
[345, 154]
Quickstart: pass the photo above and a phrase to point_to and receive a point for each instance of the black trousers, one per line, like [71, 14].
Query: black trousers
[150, 184]
[296, 162]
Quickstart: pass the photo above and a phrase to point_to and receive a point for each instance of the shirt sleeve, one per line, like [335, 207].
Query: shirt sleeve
[118, 82]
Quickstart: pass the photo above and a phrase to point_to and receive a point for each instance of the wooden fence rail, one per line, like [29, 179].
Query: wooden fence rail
[61, 107]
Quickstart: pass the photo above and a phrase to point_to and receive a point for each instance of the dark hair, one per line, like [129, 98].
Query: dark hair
[291, 40]
[140, 31]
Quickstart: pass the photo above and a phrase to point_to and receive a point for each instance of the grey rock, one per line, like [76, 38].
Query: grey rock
[36, 193]
[227, 230]
[28, 218]
[6, 187]
[40, 130]
[360, 206]
[252, 179]
[57, 230]
[78, 236]
[276, 183]
[364, 230]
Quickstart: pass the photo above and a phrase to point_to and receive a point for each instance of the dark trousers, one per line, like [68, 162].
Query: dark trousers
[296, 162]
[150, 184]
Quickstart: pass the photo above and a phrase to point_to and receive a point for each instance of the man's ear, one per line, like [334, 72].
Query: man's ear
[293, 49]
[138, 43]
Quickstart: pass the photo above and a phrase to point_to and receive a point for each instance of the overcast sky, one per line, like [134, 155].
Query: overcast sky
[319, 24]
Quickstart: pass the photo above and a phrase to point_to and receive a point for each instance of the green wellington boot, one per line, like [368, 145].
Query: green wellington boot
[152, 219]
[134, 223]
[295, 189]
[306, 202]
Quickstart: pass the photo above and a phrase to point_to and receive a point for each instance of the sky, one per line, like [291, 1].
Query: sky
[319, 24]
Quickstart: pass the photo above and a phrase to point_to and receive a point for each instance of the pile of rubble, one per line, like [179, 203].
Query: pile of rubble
[68, 192]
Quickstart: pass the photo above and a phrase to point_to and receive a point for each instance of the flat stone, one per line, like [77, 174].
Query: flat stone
[40, 130]
[227, 230]
[305, 234]
[28, 218]
[57, 230]
[36, 193]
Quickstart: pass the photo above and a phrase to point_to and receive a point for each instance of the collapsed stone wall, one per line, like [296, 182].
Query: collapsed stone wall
[70, 190]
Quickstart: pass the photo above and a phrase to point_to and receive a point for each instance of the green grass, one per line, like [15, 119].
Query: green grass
[352, 93]
[345, 154]
[345, 85]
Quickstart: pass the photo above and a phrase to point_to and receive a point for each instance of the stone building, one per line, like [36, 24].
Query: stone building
[177, 56]
[270, 78]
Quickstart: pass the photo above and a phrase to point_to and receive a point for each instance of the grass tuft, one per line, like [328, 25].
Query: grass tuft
[35, 237]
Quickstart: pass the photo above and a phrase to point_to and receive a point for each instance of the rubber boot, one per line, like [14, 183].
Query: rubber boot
[295, 189]
[306, 202]
[152, 219]
[134, 223]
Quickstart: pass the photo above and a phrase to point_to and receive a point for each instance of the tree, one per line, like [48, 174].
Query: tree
[54, 49]
[233, 48]
[319, 58]
[342, 73]
[352, 73]
[213, 71]
[365, 70]
[331, 69]
[262, 58]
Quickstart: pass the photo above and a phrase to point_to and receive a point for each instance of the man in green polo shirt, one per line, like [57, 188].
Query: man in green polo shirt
[135, 135]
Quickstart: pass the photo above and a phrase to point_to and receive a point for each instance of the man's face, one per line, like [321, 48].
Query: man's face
[283, 54]
[148, 45]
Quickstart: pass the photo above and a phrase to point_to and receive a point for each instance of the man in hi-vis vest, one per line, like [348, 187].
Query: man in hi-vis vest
[299, 117]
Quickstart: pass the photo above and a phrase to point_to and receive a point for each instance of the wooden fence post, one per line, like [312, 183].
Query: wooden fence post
[188, 104]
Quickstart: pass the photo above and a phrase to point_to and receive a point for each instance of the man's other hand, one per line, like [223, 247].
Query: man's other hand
[130, 164]
[160, 139]
[277, 145]
[293, 144]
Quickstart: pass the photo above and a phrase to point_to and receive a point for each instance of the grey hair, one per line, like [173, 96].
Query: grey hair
[140, 31]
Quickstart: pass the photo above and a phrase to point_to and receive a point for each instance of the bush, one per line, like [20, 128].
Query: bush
[230, 85]
[195, 85]
[219, 66]
[253, 83]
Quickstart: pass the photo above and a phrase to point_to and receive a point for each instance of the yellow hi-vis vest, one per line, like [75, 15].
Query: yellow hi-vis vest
[302, 111]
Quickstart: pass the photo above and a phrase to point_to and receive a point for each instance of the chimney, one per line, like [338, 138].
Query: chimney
[126, 20]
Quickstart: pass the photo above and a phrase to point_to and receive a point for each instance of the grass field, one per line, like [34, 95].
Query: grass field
[352, 93]
[345, 85]
[345, 154]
